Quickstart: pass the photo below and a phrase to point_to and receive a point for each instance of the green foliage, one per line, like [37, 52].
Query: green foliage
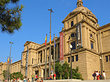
[16, 75]
[76, 74]
[64, 71]
[57, 66]
[10, 18]
[4, 73]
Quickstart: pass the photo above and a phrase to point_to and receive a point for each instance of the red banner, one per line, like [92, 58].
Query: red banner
[61, 47]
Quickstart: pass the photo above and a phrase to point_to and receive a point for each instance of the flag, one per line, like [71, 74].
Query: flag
[46, 40]
[54, 42]
[11, 60]
[8, 60]
[50, 39]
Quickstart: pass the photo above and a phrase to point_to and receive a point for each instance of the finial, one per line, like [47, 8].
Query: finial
[79, 3]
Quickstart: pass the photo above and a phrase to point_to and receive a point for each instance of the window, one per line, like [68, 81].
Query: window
[90, 35]
[41, 58]
[92, 46]
[71, 23]
[109, 57]
[69, 38]
[68, 59]
[72, 35]
[32, 60]
[106, 58]
[48, 58]
[73, 45]
[68, 24]
[76, 57]
[72, 58]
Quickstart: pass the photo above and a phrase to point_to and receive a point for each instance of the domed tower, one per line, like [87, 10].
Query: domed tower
[80, 31]
[83, 18]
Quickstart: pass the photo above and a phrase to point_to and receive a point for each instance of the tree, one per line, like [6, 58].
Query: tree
[4, 73]
[58, 70]
[63, 71]
[16, 75]
[76, 74]
[66, 70]
[10, 18]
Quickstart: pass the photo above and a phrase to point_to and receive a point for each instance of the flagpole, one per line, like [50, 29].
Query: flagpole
[26, 62]
[54, 54]
[46, 59]
[50, 44]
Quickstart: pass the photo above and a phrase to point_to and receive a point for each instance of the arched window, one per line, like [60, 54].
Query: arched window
[73, 45]
[71, 23]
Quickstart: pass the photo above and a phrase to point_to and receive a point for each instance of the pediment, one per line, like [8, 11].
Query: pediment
[27, 42]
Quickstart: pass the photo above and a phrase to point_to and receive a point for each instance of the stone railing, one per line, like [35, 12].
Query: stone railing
[75, 80]
[70, 80]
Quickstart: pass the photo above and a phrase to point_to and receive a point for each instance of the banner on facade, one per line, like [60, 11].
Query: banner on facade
[79, 35]
[61, 48]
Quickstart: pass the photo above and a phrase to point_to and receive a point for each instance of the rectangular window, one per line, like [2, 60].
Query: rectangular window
[41, 57]
[90, 35]
[76, 57]
[92, 46]
[73, 45]
[71, 23]
[68, 24]
[48, 58]
[106, 58]
[72, 58]
[72, 35]
[68, 59]
[109, 57]
[32, 60]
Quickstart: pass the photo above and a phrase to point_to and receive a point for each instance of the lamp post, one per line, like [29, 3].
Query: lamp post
[71, 60]
[50, 44]
[9, 61]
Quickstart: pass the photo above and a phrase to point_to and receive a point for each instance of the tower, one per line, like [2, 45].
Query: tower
[80, 31]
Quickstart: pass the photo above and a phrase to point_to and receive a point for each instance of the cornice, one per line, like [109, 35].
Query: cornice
[104, 53]
[16, 62]
[81, 50]
[103, 27]
[82, 21]
[28, 42]
[75, 13]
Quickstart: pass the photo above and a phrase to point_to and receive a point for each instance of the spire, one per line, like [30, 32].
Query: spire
[79, 3]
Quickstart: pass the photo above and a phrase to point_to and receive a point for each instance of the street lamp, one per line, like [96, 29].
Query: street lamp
[10, 48]
[71, 60]
[8, 65]
[50, 43]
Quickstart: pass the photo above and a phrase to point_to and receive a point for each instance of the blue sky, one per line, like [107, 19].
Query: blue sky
[36, 22]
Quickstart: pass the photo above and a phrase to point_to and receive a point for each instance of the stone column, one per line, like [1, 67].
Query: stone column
[36, 57]
[89, 46]
[56, 51]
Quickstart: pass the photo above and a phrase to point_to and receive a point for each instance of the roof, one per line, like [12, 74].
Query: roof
[85, 10]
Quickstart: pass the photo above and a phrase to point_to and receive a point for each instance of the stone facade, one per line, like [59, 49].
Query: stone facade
[93, 55]
[2, 68]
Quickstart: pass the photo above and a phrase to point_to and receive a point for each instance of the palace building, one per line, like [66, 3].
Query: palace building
[90, 47]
